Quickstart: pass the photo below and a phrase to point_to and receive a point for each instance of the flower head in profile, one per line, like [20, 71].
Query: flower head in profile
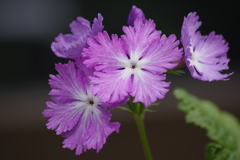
[71, 45]
[132, 65]
[205, 56]
[75, 112]
[134, 14]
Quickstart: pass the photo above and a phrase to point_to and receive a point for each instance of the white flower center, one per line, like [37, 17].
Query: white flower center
[132, 66]
[91, 105]
[92, 101]
[87, 100]
[194, 60]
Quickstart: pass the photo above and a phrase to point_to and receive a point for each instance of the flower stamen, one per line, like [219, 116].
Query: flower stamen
[133, 66]
[91, 102]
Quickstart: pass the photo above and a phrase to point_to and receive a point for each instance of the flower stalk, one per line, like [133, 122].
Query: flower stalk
[138, 111]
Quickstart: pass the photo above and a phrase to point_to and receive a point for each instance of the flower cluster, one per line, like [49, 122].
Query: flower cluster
[107, 70]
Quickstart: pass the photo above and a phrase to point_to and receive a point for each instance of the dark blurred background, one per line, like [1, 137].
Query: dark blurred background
[27, 28]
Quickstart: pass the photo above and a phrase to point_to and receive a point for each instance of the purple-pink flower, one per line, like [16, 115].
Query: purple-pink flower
[71, 45]
[75, 112]
[132, 65]
[205, 56]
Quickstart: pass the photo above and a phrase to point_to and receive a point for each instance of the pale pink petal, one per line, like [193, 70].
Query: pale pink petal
[147, 87]
[161, 55]
[67, 85]
[64, 116]
[138, 38]
[90, 132]
[112, 86]
[97, 25]
[104, 52]
[68, 46]
[81, 27]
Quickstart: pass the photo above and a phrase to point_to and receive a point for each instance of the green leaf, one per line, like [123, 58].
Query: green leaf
[154, 104]
[149, 110]
[124, 109]
[222, 127]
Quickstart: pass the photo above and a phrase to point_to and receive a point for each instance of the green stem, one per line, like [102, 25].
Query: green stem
[141, 129]
[138, 111]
